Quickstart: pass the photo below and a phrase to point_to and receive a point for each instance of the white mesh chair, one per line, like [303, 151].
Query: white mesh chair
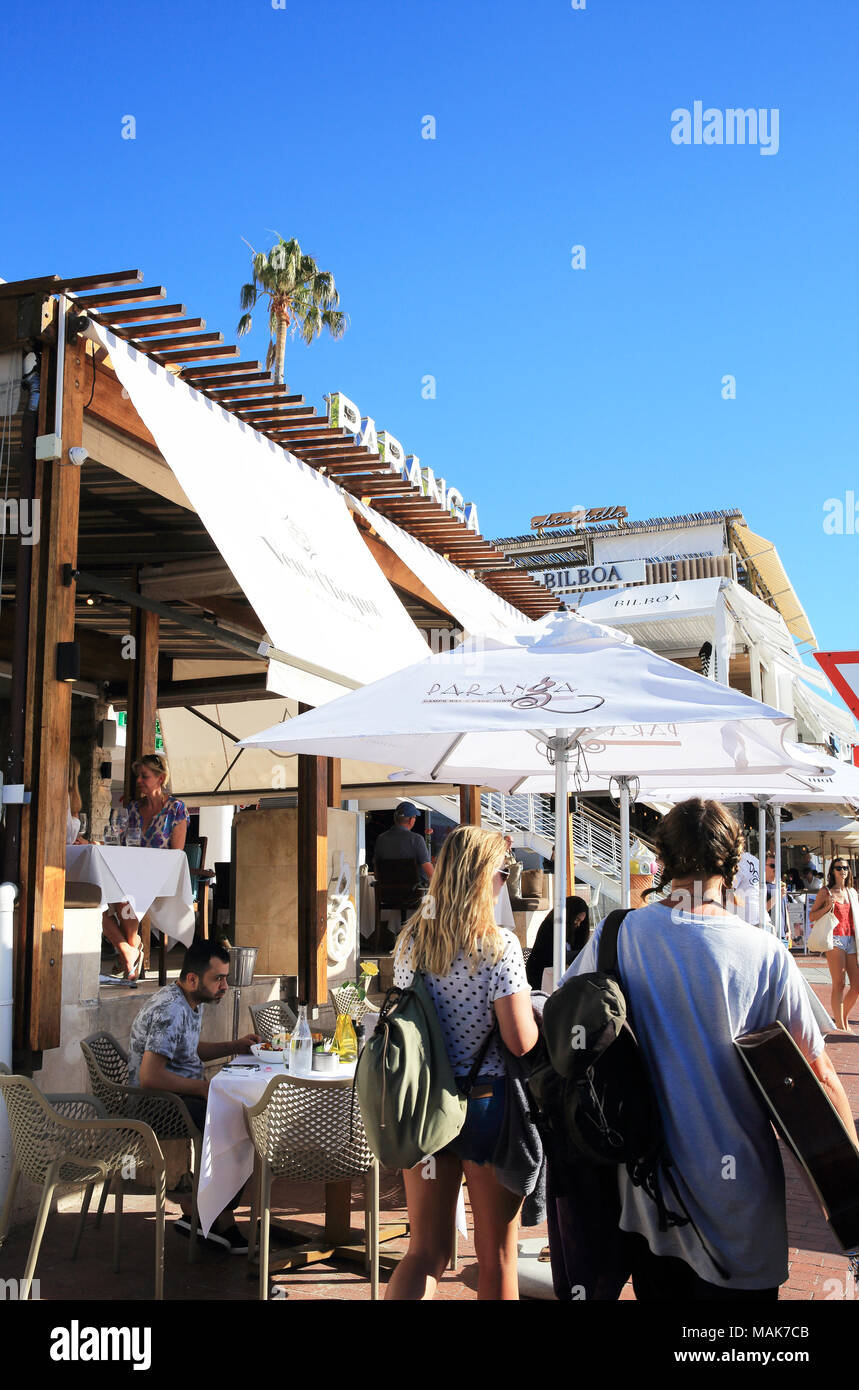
[163, 1111]
[309, 1131]
[52, 1147]
[275, 1016]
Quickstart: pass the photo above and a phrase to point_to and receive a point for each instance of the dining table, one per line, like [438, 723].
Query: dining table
[156, 881]
[228, 1163]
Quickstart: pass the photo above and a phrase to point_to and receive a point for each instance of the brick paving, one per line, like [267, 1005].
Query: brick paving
[818, 1271]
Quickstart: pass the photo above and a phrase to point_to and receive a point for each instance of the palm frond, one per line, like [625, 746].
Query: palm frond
[336, 322]
[244, 325]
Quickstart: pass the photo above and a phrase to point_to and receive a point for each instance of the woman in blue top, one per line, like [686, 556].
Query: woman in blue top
[162, 821]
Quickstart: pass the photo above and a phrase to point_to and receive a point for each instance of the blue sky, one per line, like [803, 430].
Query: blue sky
[555, 386]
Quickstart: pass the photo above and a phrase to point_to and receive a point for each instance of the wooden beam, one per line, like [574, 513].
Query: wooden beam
[398, 573]
[195, 355]
[153, 330]
[335, 790]
[103, 301]
[228, 369]
[469, 805]
[312, 879]
[264, 394]
[160, 347]
[46, 749]
[56, 284]
[109, 404]
[141, 315]
[142, 693]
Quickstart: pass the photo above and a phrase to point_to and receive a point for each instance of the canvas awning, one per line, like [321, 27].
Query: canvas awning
[763, 555]
[475, 606]
[285, 532]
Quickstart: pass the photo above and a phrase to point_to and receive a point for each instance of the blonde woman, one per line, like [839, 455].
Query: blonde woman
[162, 821]
[75, 805]
[475, 973]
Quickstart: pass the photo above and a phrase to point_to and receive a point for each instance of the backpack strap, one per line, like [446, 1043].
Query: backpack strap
[607, 952]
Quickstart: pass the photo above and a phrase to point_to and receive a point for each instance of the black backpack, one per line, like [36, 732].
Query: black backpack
[593, 1096]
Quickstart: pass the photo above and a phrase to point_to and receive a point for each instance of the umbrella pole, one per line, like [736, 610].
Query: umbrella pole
[762, 860]
[623, 782]
[779, 901]
[560, 747]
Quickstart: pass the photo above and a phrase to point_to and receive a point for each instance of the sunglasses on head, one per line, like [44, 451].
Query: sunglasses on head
[503, 873]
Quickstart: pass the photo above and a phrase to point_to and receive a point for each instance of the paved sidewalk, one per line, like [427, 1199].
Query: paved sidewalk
[817, 1269]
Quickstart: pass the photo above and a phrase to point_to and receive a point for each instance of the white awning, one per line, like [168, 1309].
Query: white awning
[663, 617]
[477, 608]
[208, 768]
[285, 532]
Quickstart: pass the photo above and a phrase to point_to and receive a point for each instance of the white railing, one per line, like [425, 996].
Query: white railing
[595, 840]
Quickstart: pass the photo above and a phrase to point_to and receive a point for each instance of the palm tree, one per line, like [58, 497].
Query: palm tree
[299, 294]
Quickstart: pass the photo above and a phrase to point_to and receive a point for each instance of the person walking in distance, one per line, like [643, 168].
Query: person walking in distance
[839, 897]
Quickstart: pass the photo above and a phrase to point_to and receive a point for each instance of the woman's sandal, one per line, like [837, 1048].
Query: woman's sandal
[137, 971]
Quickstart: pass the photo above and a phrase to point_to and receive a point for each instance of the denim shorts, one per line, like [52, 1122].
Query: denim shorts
[847, 944]
[476, 1141]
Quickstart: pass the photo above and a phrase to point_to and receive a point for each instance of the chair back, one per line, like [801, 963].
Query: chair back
[107, 1064]
[309, 1131]
[41, 1136]
[271, 1018]
[399, 882]
[194, 854]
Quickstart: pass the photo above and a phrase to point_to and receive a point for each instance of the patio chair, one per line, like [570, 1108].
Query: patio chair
[399, 887]
[201, 880]
[165, 1113]
[271, 1018]
[309, 1131]
[56, 1140]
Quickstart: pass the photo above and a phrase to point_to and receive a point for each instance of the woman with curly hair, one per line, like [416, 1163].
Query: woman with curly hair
[475, 974]
[696, 977]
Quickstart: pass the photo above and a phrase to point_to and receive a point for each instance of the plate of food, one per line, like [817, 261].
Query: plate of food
[267, 1052]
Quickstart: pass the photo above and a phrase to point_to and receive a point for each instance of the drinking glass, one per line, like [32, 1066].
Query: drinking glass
[82, 819]
[132, 835]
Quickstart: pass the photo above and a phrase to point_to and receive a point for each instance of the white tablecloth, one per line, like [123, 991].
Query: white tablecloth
[156, 881]
[228, 1154]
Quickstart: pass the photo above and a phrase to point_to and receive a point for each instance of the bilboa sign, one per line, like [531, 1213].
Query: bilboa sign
[344, 414]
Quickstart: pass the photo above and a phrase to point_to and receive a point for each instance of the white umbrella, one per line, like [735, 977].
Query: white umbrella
[807, 781]
[499, 710]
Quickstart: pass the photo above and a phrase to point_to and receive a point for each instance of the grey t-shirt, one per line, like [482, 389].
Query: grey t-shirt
[169, 1026]
[398, 843]
[694, 984]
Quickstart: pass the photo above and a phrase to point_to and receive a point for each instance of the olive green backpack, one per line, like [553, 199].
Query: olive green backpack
[410, 1103]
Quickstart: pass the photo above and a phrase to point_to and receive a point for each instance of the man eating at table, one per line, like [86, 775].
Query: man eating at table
[166, 1054]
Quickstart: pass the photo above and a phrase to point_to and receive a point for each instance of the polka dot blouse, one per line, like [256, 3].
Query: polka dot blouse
[464, 1002]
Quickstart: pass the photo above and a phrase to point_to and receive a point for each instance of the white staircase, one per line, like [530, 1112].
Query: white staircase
[530, 822]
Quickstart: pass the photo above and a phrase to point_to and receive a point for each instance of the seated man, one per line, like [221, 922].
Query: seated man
[165, 1054]
[402, 842]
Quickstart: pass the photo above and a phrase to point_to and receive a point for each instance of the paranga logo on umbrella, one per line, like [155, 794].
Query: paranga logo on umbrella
[558, 697]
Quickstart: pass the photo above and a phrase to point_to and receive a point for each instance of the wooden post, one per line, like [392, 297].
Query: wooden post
[469, 805]
[335, 791]
[142, 692]
[313, 785]
[48, 729]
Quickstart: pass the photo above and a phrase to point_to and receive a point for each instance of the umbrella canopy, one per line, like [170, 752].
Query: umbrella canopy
[621, 704]
[499, 709]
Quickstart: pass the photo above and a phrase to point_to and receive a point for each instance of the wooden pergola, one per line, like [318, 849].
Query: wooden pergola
[116, 550]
